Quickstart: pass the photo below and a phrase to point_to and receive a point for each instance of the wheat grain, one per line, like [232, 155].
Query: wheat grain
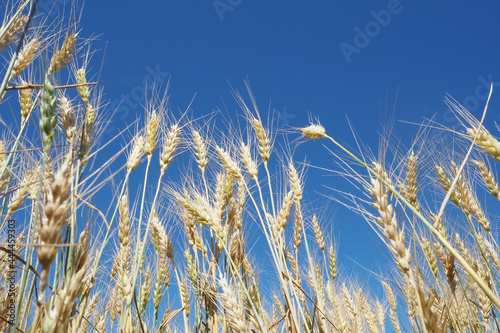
[318, 234]
[380, 315]
[58, 317]
[151, 130]
[388, 222]
[64, 55]
[16, 199]
[25, 101]
[488, 178]
[486, 141]
[365, 309]
[492, 253]
[56, 210]
[185, 297]
[145, 290]
[448, 262]
[235, 316]
[263, 139]
[170, 145]
[284, 212]
[48, 117]
[469, 204]
[25, 57]
[10, 35]
[297, 227]
[67, 118]
[485, 303]
[409, 190]
[249, 162]
[163, 244]
[431, 308]
[228, 163]
[332, 258]
[237, 249]
[137, 152]
[89, 310]
[429, 256]
[201, 151]
[393, 306]
[446, 184]
[124, 225]
[83, 89]
[314, 131]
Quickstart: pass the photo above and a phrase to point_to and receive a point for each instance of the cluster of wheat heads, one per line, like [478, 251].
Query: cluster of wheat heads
[172, 251]
[430, 211]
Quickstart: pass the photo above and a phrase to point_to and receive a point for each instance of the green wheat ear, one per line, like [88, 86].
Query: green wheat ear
[48, 117]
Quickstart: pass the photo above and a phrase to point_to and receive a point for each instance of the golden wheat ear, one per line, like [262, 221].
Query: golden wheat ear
[12, 31]
[64, 56]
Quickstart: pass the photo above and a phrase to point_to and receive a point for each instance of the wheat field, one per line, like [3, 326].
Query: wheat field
[165, 251]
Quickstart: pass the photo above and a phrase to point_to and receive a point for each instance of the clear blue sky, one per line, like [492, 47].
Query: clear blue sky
[306, 58]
